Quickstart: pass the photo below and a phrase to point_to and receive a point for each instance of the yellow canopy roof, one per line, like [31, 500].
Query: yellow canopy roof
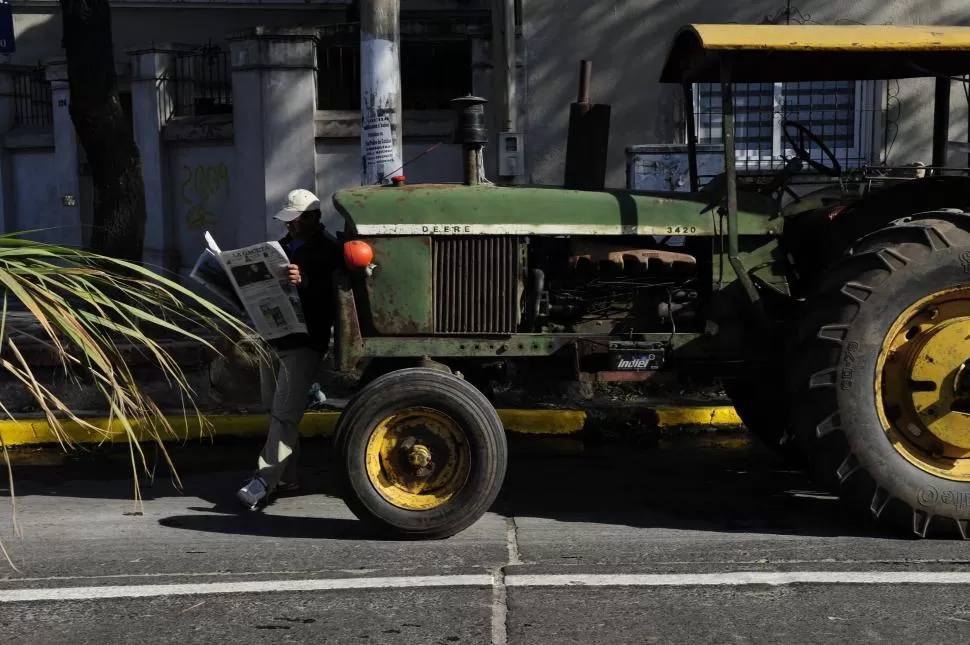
[775, 53]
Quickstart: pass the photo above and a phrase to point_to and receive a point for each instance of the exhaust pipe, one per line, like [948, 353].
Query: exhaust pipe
[471, 133]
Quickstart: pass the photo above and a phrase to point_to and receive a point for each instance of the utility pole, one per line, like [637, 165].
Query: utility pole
[503, 57]
[505, 87]
[380, 91]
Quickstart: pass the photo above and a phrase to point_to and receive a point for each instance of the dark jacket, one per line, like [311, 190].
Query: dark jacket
[318, 257]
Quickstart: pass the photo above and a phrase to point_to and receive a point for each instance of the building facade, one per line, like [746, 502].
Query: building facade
[232, 103]
[627, 43]
[228, 117]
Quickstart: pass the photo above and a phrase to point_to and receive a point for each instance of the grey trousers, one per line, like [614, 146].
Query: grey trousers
[297, 370]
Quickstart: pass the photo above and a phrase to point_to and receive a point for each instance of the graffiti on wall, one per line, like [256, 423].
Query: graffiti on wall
[205, 191]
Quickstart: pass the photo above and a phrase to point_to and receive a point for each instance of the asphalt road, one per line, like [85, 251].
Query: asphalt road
[696, 541]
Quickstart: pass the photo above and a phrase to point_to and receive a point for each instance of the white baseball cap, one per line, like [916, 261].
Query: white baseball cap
[297, 202]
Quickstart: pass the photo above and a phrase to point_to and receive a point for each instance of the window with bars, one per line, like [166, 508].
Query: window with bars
[32, 98]
[433, 72]
[840, 113]
[202, 82]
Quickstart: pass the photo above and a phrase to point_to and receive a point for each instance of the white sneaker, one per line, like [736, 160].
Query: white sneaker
[253, 492]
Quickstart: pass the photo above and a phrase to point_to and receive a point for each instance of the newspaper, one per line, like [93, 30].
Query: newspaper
[254, 280]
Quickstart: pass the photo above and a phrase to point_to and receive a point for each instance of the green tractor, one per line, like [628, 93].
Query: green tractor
[839, 324]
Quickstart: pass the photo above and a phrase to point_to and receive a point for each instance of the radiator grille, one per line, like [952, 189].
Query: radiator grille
[476, 285]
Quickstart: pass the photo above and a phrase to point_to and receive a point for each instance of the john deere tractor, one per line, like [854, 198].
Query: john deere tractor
[840, 323]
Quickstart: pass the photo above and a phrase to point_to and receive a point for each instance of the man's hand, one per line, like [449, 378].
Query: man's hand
[293, 273]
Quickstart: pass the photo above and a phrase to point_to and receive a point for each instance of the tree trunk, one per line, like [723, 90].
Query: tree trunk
[104, 130]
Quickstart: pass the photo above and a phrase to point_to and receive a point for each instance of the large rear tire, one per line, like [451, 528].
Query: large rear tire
[420, 453]
[879, 402]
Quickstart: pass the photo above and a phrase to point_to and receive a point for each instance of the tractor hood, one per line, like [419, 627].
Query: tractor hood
[459, 209]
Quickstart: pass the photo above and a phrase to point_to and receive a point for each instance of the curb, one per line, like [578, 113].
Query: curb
[37, 432]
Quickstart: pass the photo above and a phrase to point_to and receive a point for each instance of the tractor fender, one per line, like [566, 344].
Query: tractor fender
[815, 239]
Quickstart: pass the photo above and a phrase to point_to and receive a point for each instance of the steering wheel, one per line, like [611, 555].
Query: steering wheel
[835, 170]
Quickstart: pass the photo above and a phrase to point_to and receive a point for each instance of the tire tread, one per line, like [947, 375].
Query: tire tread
[828, 314]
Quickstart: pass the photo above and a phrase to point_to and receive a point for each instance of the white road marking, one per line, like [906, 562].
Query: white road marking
[216, 574]
[514, 559]
[264, 586]
[736, 578]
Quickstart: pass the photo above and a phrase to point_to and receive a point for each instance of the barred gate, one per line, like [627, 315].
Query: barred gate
[202, 82]
[32, 98]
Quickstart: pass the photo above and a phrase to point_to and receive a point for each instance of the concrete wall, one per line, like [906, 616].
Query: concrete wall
[202, 177]
[198, 165]
[206, 180]
[38, 27]
[627, 41]
[37, 23]
[35, 193]
[34, 198]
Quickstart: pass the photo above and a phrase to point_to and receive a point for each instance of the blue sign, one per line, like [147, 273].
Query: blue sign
[7, 43]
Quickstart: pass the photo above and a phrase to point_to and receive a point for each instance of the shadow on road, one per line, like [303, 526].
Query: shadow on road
[718, 483]
[258, 524]
[723, 484]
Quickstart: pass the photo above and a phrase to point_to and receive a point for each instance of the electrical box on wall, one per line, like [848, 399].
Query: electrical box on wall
[511, 156]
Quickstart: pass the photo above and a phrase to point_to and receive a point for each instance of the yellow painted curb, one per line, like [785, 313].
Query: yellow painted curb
[322, 424]
[698, 416]
[543, 422]
[38, 431]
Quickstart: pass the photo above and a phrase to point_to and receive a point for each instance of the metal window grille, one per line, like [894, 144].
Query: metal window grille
[840, 113]
[202, 82]
[338, 77]
[432, 73]
[32, 98]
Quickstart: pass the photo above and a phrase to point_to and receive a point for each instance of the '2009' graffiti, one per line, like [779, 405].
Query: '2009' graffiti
[201, 185]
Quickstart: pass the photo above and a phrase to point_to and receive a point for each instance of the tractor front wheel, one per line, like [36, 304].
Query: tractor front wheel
[881, 377]
[420, 453]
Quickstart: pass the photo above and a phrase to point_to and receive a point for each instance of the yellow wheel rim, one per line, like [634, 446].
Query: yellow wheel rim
[418, 459]
[923, 384]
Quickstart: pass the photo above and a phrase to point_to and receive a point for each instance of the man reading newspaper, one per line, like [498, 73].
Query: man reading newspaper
[313, 257]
